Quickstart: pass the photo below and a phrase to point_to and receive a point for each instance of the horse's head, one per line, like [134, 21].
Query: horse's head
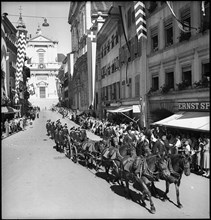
[100, 146]
[185, 164]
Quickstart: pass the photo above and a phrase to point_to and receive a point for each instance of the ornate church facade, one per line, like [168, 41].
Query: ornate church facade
[44, 64]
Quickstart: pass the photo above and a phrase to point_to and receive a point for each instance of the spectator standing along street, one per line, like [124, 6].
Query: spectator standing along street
[6, 125]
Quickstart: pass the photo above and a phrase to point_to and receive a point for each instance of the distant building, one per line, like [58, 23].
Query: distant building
[44, 63]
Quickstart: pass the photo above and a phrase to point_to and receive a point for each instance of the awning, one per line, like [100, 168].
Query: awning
[8, 110]
[135, 109]
[187, 120]
[121, 109]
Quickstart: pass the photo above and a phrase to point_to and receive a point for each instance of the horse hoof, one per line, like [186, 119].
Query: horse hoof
[152, 210]
[180, 206]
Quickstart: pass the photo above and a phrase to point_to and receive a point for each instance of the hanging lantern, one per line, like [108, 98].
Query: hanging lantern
[45, 24]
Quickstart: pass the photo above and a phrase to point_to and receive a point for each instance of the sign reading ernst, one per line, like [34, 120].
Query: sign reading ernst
[194, 106]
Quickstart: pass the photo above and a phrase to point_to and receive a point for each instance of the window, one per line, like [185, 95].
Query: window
[112, 67]
[104, 49]
[155, 83]
[130, 87]
[42, 92]
[109, 69]
[154, 39]
[118, 90]
[185, 19]
[117, 39]
[206, 69]
[205, 17]
[41, 57]
[102, 52]
[108, 46]
[170, 79]
[137, 86]
[112, 41]
[168, 32]
[106, 93]
[123, 89]
[186, 75]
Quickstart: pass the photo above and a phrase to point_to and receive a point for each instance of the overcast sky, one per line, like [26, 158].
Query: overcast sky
[59, 28]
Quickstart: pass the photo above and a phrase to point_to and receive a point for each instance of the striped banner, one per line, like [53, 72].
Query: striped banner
[4, 93]
[21, 52]
[140, 19]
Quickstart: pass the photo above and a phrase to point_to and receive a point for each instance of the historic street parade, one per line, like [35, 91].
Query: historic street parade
[105, 110]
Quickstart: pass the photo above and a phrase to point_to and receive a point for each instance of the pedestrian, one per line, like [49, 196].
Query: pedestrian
[21, 124]
[206, 157]
[6, 125]
[177, 146]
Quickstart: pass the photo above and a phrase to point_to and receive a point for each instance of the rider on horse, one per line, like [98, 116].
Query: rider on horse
[158, 148]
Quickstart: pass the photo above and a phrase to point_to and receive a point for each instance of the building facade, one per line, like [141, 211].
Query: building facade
[177, 61]
[8, 60]
[44, 64]
[120, 57]
[82, 16]
[159, 74]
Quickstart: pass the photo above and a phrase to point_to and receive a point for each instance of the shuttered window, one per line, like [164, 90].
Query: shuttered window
[168, 32]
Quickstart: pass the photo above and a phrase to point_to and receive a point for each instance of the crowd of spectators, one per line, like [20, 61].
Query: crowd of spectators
[175, 140]
[10, 126]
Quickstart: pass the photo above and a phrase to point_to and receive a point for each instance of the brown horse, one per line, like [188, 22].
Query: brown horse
[181, 163]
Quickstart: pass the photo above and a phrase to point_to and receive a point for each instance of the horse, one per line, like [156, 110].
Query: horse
[110, 157]
[181, 163]
[133, 169]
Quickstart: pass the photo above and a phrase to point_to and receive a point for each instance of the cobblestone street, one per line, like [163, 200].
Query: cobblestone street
[39, 182]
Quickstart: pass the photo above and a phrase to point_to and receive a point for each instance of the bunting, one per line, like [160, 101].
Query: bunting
[21, 47]
[140, 19]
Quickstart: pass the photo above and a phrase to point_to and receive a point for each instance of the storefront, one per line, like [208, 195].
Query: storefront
[193, 116]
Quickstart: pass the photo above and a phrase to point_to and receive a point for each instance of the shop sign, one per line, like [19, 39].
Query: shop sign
[194, 106]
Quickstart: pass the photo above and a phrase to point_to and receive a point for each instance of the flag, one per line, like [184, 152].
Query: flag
[3, 62]
[91, 58]
[140, 19]
[31, 89]
[203, 7]
[92, 35]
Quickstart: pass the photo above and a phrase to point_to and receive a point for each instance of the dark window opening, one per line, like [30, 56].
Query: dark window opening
[187, 77]
[155, 83]
[170, 79]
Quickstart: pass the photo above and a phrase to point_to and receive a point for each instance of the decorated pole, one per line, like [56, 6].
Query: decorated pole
[21, 52]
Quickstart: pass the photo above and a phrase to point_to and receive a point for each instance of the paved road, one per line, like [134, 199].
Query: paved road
[38, 182]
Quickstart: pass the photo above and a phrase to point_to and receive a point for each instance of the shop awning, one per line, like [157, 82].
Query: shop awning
[8, 110]
[187, 120]
[135, 109]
